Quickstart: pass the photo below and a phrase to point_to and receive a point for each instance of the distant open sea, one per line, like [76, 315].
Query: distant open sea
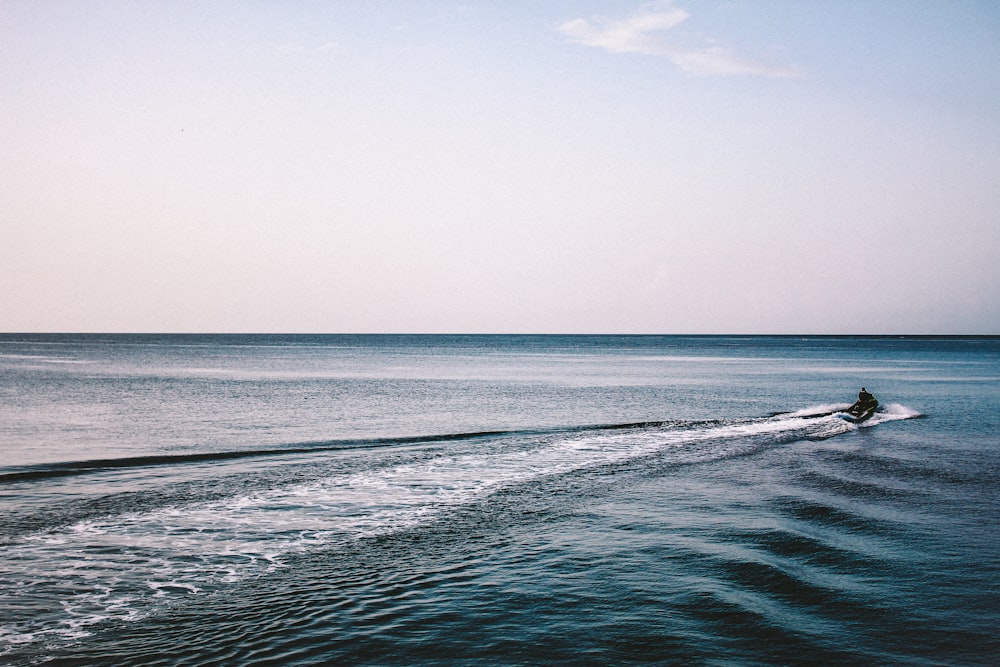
[498, 500]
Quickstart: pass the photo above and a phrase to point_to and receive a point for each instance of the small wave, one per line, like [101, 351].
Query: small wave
[44, 358]
[889, 413]
[820, 410]
[67, 468]
[897, 411]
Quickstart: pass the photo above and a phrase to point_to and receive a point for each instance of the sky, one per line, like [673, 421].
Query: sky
[687, 166]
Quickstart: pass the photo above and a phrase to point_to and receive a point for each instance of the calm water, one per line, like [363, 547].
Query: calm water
[498, 500]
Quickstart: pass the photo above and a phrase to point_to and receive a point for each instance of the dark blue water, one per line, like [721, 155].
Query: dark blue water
[503, 500]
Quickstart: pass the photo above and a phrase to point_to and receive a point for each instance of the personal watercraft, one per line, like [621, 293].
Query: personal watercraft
[862, 410]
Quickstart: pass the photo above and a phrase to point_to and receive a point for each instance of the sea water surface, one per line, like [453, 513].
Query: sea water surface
[497, 500]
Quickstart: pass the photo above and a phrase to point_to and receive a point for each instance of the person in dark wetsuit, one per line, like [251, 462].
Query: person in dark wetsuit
[864, 403]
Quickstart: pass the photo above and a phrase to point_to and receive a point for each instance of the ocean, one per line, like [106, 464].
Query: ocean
[498, 500]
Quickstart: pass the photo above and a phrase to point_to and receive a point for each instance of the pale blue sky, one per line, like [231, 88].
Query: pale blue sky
[698, 166]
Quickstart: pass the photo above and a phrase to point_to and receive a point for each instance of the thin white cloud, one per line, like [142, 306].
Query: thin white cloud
[636, 33]
[647, 31]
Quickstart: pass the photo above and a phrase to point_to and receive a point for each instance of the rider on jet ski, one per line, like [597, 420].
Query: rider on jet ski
[864, 403]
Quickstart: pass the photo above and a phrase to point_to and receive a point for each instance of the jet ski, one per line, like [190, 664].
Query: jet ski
[862, 412]
[863, 408]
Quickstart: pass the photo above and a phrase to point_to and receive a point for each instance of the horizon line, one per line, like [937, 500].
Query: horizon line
[496, 334]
